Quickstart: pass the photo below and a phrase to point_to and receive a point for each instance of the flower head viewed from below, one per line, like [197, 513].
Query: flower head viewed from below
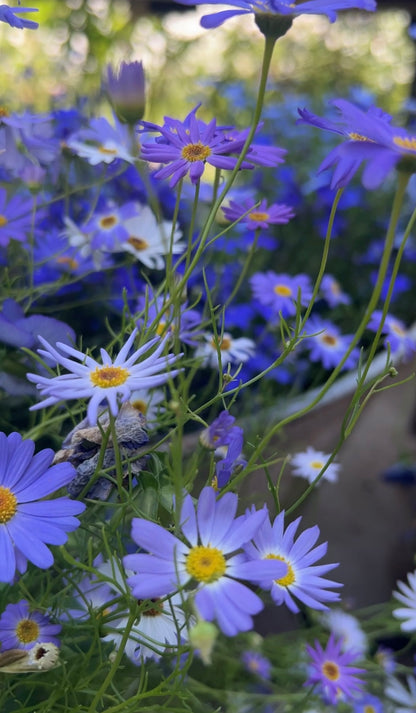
[370, 139]
[332, 673]
[211, 560]
[27, 523]
[111, 381]
[304, 580]
[278, 7]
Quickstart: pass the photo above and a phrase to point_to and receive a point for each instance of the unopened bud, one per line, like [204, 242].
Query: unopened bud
[202, 638]
[126, 91]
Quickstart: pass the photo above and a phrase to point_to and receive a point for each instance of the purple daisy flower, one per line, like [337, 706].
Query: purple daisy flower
[16, 218]
[111, 381]
[255, 663]
[261, 216]
[219, 432]
[368, 704]
[27, 523]
[22, 629]
[332, 293]
[108, 228]
[10, 15]
[397, 337]
[210, 558]
[186, 147]
[331, 671]
[281, 292]
[303, 580]
[370, 139]
[327, 345]
[278, 7]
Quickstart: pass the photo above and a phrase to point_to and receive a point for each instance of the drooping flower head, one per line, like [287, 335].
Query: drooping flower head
[21, 628]
[370, 139]
[209, 558]
[27, 523]
[304, 579]
[278, 7]
[332, 673]
[111, 381]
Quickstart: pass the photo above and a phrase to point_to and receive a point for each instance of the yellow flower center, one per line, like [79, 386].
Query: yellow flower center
[335, 288]
[108, 222]
[140, 406]
[8, 505]
[69, 261]
[260, 217]
[206, 564]
[282, 290]
[359, 137]
[224, 344]
[27, 631]
[109, 152]
[398, 330]
[196, 152]
[289, 577]
[407, 143]
[329, 340]
[369, 709]
[107, 376]
[138, 243]
[317, 464]
[3, 221]
[4, 112]
[331, 670]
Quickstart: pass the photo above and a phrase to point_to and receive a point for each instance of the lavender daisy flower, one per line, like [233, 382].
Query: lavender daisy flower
[22, 629]
[111, 381]
[10, 15]
[303, 580]
[219, 432]
[27, 523]
[407, 596]
[255, 663]
[370, 139]
[108, 229]
[332, 293]
[102, 142]
[397, 337]
[16, 218]
[278, 7]
[327, 345]
[404, 697]
[281, 292]
[149, 240]
[261, 216]
[331, 671]
[232, 350]
[214, 535]
[186, 147]
[368, 704]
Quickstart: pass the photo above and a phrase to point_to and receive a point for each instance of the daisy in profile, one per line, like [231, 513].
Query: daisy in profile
[308, 464]
[112, 381]
[224, 349]
[102, 142]
[28, 523]
[407, 597]
[332, 673]
[304, 579]
[21, 628]
[209, 556]
[403, 696]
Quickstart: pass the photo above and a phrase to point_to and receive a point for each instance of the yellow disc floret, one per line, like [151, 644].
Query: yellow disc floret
[317, 465]
[331, 670]
[289, 577]
[407, 143]
[206, 564]
[8, 504]
[3, 221]
[27, 631]
[137, 243]
[107, 376]
[196, 152]
[282, 290]
[260, 217]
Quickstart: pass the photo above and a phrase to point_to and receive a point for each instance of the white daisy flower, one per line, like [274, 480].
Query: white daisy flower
[106, 152]
[347, 628]
[111, 381]
[149, 240]
[405, 697]
[148, 403]
[407, 596]
[309, 464]
[233, 351]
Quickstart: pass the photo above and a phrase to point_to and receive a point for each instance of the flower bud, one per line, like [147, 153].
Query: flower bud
[126, 91]
[202, 637]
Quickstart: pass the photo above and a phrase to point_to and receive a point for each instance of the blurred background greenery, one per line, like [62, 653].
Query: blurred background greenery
[65, 58]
